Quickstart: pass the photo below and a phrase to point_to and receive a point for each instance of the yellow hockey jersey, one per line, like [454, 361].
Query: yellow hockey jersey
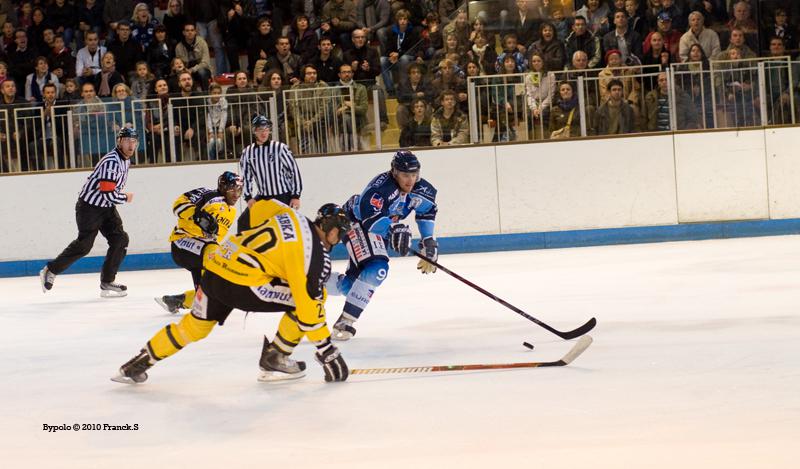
[285, 247]
[208, 200]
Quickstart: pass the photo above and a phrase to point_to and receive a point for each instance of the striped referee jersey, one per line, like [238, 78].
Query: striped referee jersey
[273, 168]
[103, 188]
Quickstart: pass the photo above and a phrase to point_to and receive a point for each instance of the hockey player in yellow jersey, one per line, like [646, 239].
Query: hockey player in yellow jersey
[204, 218]
[282, 264]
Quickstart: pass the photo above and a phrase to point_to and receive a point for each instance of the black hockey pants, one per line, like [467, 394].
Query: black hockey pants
[92, 219]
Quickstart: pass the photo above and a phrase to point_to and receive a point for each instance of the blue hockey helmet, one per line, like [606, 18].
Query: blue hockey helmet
[331, 216]
[405, 161]
[127, 132]
[261, 121]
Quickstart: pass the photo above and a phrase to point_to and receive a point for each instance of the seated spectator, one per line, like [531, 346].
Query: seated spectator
[337, 21]
[156, 125]
[504, 107]
[94, 127]
[671, 37]
[7, 38]
[142, 81]
[739, 89]
[177, 66]
[615, 116]
[697, 85]
[779, 87]
[636, 22]
[347, 108]
[274, 82]
[564, 114]
[523, 21]
[699, 34]
[90, 19]
[656, 108]
[431, 35]
[193, 50]
[676, 13]
[366, 63]
[737, 41]
[539, 88]
[3, 72]
[242, 104]
[108, 77]
[596, 14]
[87, 62]
[284, 60]
[302, 39]
[449, 126]
[216, 119]
[483, 55]
[34, 83]
[35, 30]
[548, 47]
[174, 20]
[416, 132]
[8, 102]
[743, 20]
[143, 26]
[21, 60]
[63, 18]
[187, 109]
[657, 53]
[413, 87]
[310, 112]
[715, 11]
[460, 27]
[624, 39]
[401, 50]
[126, 50]
[449, 81]
[70, 92]
[262, 43]
[581, 39]
[61, 61]
[160, 52]
[781, 28]
[326, 64]
[115, 12]
[479, 29]
[510, 47]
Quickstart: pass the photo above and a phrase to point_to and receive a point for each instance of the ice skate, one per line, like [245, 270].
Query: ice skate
[47, 278]
[343, 329]
[134, 371]
[171, 303]
[277, 366]
[113, 290]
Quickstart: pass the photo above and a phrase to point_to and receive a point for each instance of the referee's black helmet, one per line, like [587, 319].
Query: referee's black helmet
[261, 121]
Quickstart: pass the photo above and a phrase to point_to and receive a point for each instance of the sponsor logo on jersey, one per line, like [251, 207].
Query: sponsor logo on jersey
[287, 227]
[414, 203]
[376, 201]
[394, 194]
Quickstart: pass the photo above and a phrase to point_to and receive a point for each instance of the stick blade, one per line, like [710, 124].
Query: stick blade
[580, 346]
[579, 331]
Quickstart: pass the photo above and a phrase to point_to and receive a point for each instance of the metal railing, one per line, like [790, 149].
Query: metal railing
[313, 120]
[319, 121]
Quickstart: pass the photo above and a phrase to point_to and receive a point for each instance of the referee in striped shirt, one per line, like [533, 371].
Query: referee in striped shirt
[96, 211]
[271, 165]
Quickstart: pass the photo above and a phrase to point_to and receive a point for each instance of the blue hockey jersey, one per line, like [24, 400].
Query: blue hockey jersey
[382, 204]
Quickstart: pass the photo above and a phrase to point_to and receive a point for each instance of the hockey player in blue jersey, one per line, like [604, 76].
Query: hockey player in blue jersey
[376, 214]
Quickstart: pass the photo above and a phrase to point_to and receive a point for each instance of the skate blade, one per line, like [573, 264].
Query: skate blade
[341, 336]
[164, 305]
[112, 294]
[124, 379]
[274, 376]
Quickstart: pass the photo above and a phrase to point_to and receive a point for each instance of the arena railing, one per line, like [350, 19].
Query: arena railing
[724, 94]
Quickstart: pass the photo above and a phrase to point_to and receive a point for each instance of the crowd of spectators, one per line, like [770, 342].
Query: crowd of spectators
[421, 52]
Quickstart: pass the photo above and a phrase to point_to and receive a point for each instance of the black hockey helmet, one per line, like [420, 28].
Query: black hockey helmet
[405, 161]
[261, 121]
[127, 132]
[230, 185]
[331, 216]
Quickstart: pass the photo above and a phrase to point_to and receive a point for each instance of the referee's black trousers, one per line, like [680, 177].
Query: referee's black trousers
[244, 219]
[92, 219]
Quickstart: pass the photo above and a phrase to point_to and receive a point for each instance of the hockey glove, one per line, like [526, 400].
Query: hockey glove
[400, 238]
[206, 222]
[332, 362]
[430, 248]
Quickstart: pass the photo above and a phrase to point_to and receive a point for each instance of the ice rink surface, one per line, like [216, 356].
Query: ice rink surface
[695, 364]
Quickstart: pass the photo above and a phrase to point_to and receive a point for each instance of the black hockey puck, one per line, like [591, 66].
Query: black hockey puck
[528, 345]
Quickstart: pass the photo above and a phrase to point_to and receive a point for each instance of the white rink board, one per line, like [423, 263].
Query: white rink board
[783, 166]
[721, 176]
[604, 183]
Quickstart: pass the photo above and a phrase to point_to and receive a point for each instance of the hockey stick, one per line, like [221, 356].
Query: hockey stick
[579, 347]
[564, 335]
